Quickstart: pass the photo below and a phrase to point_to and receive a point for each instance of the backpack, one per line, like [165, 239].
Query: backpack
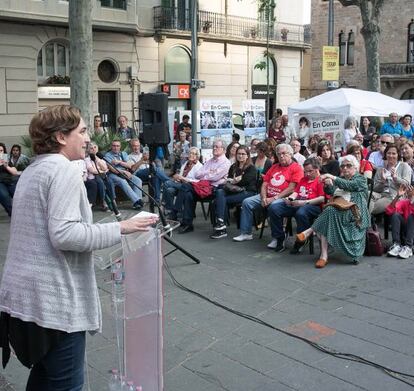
[373, 245]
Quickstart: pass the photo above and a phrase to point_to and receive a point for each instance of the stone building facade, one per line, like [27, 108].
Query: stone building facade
[144, 46]
[396, 47]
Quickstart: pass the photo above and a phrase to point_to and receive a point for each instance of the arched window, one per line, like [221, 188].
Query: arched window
[350, 48]
[409, 94]
[410, 57]
[342, 48]
[178, 65]
[259, 75]
[53, 59]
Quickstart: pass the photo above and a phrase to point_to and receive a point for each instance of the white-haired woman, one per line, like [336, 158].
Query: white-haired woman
[186, 174]
[349, 132]
[345, 219]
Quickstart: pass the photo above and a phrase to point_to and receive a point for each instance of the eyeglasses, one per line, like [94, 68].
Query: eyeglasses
[347, 165]
[193, 153]
[386, 142]
[324, 142]
[216, 147]
[282, 153]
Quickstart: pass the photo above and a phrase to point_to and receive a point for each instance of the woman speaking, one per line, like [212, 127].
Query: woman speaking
[48, 293]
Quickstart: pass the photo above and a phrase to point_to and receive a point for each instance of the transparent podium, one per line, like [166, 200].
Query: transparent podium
[137, 307]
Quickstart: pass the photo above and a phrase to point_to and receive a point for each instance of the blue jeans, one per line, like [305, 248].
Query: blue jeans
[223, 200]
[184, 202]
[170, 190]
[304, 215]
[6, 195]
[62, 367]
[159, 177]
[135, 193]
[248, 206]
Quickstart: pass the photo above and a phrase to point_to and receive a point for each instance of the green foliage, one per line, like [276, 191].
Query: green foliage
[26, 143]
[267, 9]
[58, 79]
[104, 141]
[263, 64]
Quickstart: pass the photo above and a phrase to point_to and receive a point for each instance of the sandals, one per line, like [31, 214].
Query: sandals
[321, 263]
[301, 237]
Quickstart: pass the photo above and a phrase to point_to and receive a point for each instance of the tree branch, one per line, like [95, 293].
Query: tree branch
[377, 8]
[347, 3]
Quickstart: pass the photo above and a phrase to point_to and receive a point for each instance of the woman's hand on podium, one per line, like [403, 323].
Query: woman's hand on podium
[138, 224]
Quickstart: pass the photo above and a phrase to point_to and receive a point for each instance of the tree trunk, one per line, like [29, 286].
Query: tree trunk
[80, 32]
[371, 34]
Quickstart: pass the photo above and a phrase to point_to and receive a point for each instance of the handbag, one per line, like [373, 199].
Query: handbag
[341, 203]
[202, 188]
[232, 189]
[373, 245]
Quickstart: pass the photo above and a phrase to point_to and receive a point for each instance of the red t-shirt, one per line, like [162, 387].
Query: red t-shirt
[402, 207]
[278, 177]
[364, 166]
[309, 189]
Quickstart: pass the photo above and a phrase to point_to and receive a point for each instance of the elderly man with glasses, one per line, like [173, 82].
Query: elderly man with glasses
[215, 171]
[377, 157]
[279, 182]
[304, 204]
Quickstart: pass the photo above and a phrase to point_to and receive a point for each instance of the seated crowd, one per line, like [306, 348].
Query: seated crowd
[291, 174]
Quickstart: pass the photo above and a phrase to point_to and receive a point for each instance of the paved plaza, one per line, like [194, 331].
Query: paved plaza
[367, 310]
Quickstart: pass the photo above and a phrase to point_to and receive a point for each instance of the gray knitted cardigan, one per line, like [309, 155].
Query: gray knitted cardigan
[48, 277]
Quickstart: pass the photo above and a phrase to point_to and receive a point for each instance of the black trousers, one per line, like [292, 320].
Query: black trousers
[402, 231]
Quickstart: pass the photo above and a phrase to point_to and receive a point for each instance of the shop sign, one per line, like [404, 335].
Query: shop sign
[53, 92]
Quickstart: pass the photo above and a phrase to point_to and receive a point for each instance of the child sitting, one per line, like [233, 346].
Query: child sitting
[402, 223]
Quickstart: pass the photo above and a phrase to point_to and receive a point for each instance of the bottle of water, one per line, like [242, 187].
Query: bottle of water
[145, 150]
[118, 282]
[113, 384]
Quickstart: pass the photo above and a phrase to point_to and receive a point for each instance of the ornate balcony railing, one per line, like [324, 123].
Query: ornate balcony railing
[170, 19]
[397, 70]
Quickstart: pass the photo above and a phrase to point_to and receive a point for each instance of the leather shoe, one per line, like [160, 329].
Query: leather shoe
[185, 228]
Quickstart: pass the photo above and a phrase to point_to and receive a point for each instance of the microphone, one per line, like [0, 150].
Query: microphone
[164, 223]
[105, 179]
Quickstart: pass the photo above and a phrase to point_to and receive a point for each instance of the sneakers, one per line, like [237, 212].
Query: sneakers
[138, 205]
[298, 247]
[405, 253]
[394, 250]
[280, 245]
[220, 225]
[219, 233]
[272, 244]
[243, 237]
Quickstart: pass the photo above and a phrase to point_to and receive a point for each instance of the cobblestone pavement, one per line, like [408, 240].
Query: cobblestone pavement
[366, 310]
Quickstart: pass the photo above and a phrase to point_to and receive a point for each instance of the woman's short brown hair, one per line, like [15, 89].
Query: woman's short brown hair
[390, 146]
[45, 124]
[351, 149]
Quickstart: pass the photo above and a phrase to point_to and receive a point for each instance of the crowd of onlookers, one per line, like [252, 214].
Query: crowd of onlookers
[295, 173]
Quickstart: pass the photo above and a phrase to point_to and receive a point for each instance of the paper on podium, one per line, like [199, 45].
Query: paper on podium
[108, 256]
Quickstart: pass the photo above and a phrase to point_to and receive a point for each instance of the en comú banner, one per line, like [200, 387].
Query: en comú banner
[330, 63]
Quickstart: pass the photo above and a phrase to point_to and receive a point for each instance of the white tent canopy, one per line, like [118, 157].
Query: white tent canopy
[351, 102]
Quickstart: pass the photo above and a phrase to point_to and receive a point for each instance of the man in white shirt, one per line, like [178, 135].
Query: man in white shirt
[295, 144]
[377, 157]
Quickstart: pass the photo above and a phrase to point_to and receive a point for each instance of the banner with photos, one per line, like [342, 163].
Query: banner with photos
[328, 126]
[254, 119]
[215, 123]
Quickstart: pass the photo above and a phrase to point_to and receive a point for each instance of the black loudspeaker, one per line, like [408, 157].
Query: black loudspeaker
[153, 109]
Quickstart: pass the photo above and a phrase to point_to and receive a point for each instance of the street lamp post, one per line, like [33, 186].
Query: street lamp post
[331, 84]
[194, 70]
